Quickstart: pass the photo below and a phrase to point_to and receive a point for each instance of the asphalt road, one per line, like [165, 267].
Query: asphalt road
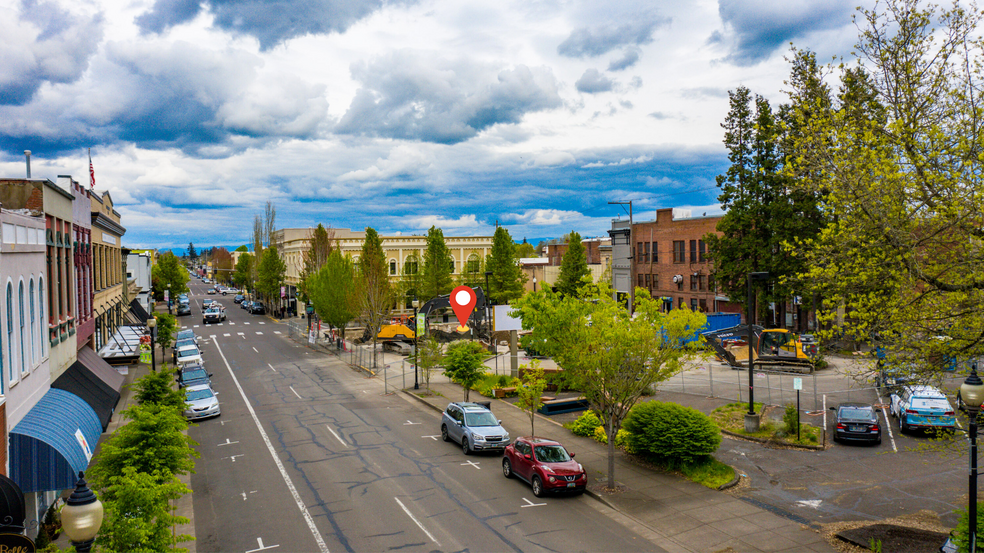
[309, 455]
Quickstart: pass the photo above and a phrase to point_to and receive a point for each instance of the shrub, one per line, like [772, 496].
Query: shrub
[621, 438]
[586, 424]
[671, 434]
[790, 419]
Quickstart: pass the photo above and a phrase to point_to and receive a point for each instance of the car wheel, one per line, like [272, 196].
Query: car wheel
[903, 426]
[464, 445]
[506, 467]
[537, 486]
[444, 433]
[878, 441]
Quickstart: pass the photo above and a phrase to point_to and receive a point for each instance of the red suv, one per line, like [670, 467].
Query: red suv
[545, 464]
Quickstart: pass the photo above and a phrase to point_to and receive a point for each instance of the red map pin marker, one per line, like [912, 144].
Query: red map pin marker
[463, 302]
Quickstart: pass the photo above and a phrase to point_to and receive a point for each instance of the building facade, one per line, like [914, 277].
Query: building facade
[138, 272]
[82, 260]
[109, 296]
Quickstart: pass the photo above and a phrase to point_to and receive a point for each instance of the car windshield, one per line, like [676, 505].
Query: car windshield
[193, 375]
[188, 353]
[193, 395]
[551, 454]
[480, 419]
[856, 413]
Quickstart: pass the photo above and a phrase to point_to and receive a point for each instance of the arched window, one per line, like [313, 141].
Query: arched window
[411, 265]
[474, 264]
[34, 332]
[21, 309]
[392, 267]
[10, 331]
[41, 321]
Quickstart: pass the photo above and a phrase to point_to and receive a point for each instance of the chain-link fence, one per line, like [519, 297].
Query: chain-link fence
[356, 355]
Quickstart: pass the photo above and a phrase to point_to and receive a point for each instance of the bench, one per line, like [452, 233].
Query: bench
[557, 406]
[501, 392]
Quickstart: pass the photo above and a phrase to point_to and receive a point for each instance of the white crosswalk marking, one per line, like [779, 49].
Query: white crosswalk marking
[277, 332]
[262, 323]
[245, 323]
[196, 326]
[227, 335]
[259, 332]
[241, 333]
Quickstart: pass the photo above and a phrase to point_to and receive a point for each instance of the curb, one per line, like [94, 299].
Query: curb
[770, 441]
[422, 400]
[733, 483]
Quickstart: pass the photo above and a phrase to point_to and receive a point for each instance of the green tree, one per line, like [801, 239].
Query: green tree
[317, 254]
[435, 278]
[376, 297]
[431, 356]
[525, 249]
[333, 290]
[508, 278]
[573, 267]
[138, 514]
[410, 282]
[611, 357]
[167, 325]
[270, 275]
[463, 363]
[152, 440]
[192, 254]
[901, 168]
[242, 248]
[473, 273]
[242, 276]
[531, 391]
[158, 388]
[168, 274]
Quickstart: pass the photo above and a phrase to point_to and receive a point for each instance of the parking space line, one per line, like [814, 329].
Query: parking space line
[227, 335]
[888, 424]
[322, 547]
[260, 333]
[295, 392]
[271, 367]
[417, 522]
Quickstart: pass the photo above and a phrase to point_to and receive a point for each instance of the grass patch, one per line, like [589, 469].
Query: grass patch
[712, 473]
[731, 417]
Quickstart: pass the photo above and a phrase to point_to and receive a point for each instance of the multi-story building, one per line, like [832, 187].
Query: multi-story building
[555, 249]
[138, 272]
[109, 301]
[404, 254]
[82, 259]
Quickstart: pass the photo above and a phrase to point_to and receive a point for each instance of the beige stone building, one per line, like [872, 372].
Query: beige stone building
[109, 298]
[403, 252]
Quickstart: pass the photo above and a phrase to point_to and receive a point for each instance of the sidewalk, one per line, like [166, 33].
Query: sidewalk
[686, 517]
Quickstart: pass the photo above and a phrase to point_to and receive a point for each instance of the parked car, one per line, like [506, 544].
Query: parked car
[206, 303]
[545, 465]
[474, 427]
[893, 375]
[245, 304]
[856, 422]
[193, 375]
[214, 314]
[185, 335]
[211, 291]
[256, 308]
[188, 355]
[183, 309]
[201, 402]
[922, 407]
[180, 344]
[239, 298]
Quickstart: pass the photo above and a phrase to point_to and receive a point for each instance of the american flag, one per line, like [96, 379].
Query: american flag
[92, 174]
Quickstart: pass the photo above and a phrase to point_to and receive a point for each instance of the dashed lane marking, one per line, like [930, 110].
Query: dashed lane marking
[295, 392]
[337, 437]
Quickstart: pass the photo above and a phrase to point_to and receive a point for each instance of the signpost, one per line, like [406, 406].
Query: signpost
[145, 353]
[798, 386]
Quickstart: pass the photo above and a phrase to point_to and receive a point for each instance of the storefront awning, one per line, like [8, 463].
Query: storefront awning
[93, 380]
[53, 442]
[139, 311]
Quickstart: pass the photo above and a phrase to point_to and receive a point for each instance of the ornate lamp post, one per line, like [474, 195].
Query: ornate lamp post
[416, 304]
[168, 299]
[152, 325]
[82, 516]
[534, 284]
[972, 395]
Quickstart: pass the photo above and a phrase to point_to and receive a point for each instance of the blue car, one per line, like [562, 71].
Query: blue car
[922, 407]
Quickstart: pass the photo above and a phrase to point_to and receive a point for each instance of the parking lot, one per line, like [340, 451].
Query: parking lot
[905, 473]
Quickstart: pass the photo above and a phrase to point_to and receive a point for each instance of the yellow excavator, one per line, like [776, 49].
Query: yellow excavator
[773, 349]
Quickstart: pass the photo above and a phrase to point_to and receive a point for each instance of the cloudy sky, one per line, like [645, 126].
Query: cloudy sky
[393, 114]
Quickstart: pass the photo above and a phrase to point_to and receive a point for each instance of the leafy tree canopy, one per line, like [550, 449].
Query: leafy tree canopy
[463, 363]
[333, 290]
[435, 279]
[270, 274]
[508, 278]
[169, 271]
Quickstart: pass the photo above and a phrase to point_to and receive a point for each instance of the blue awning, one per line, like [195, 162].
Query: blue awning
[53, 442]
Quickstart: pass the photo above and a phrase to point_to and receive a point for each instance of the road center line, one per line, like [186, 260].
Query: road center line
[322, 546]
[337, 437]
[417, 522]
[888, 424]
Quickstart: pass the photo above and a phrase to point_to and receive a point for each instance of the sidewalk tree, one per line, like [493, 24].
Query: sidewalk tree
[507, 279]
[168, 274]
[167, 325]
[322, 244]
[158, 388]
[376, 296]
[270, 275]
[435, 277]
[333, 290]
[573, 267]
[431, 356]
[904, 178]
[607, 355]
[242, 276]
[530, 391]
[138, 513]
[463, 363]
[222, 264]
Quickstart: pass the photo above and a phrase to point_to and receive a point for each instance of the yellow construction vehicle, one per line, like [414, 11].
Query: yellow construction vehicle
[775, 349]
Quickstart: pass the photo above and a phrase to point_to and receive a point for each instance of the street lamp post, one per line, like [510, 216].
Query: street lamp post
[972, 395]
[82, 516]
[152, 325]
[416, 304]
[751, 418]
[488, 302]
[168, 299]
[534, 284]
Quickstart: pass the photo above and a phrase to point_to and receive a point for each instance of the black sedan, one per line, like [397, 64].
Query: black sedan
[257, 308]
[239, 298]
[856, 422]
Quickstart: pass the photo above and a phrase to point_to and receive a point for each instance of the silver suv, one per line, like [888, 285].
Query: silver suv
[474, 427]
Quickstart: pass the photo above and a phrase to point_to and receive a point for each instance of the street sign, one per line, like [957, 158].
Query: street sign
[797, 384]
[145, 353]
[167, 295]
[421, 319]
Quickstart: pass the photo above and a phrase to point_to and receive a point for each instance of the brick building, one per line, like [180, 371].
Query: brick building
[595, 250]
[671, 261]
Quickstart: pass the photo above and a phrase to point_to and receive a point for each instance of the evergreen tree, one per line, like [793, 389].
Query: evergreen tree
[508, 278]
[573, 267]
[435, 279]
[192, 254]
[376, 296]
